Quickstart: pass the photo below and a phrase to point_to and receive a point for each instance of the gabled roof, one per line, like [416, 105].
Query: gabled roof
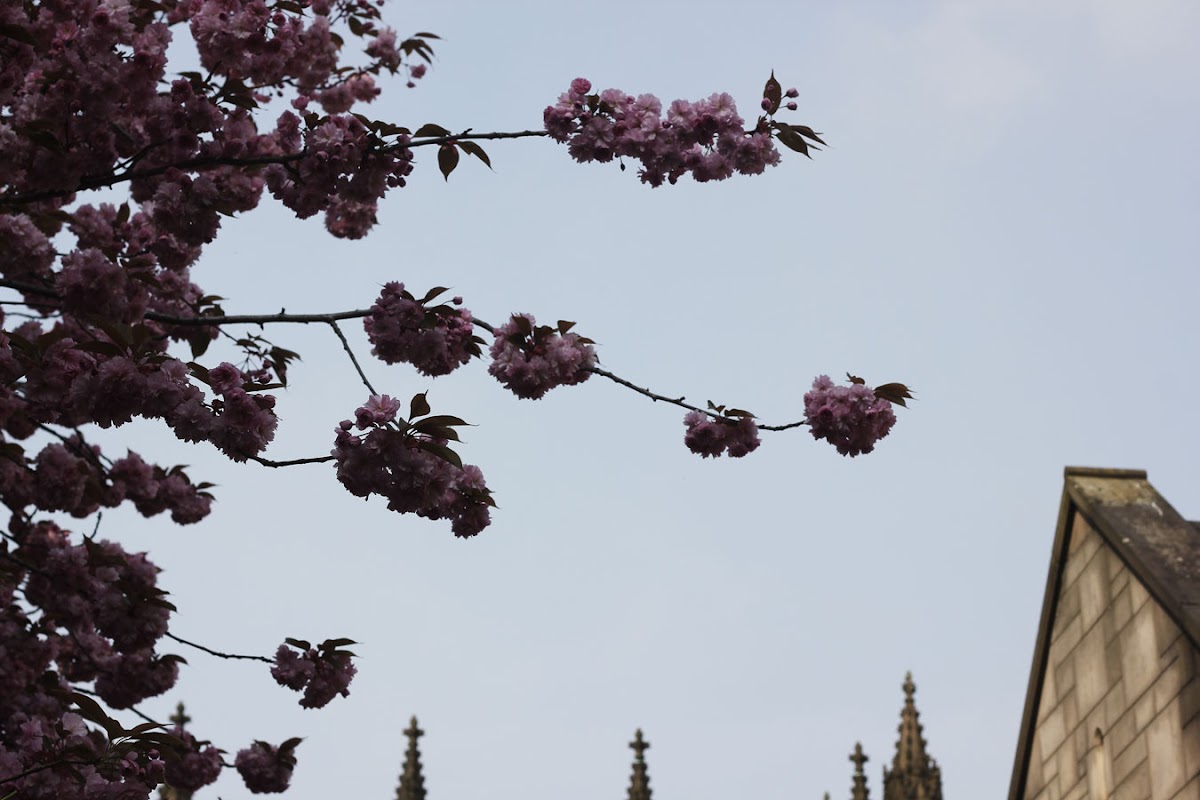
[1159, 548]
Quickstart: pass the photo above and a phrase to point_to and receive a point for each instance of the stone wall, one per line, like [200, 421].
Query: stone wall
[1118, 716]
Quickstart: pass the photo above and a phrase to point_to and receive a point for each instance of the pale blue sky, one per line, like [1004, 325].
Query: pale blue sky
[1005, 220]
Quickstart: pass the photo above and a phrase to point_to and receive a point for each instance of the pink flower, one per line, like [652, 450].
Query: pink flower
[410, 469]
[531, 360]
[196, 766]
[378, 410]
[225, 377]
[435, 339]
[293, 670]
[851, 417]
[688, 140]
[265, 768]
[130, 678]
[245, 424]
[73, 725]
[383, 49]
[710, 436]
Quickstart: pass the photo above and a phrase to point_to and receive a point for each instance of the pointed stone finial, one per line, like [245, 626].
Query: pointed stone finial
[412, 731]
[910, 748]
[412, 782]
[858, 790]
[914, 774]
[179, 718]
[639, 781]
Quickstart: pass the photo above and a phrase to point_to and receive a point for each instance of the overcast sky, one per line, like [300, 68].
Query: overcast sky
[1005, 220]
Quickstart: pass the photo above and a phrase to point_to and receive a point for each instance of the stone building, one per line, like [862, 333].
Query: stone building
[1113, 705]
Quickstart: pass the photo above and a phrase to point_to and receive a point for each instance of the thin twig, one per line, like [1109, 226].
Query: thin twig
[353, 359]
[145, 717]
[42, 768]
[212, 652]
[134, 709]
[88, 182]
[255, 319]
[5, 554]
[29, 288]
[679, 401]
[682, 401]
[788, 426]
[80, 448]
[456, 137]
[266, 462]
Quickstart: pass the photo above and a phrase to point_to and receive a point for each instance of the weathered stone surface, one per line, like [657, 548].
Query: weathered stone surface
[1119, 709]
[1164, 747]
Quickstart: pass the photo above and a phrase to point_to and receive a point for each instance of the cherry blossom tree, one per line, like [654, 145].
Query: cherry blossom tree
[103, 323]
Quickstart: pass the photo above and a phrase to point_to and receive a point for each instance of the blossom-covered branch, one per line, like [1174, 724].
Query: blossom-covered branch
[333, 318]
[10, 201]
[113, 327]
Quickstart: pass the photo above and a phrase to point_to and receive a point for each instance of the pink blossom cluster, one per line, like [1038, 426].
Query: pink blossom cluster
[340, 169]
[71, 477]
[104, 610]
[75, 612]
[412, 469]
[711, 436]
[108, 776]
[530, 360]
[250, 41]
[72, 375]
[113, 390]
[64, 759]
[321, 675]
[705, 138]
[435, 339]
[241, 422]
[851, 417]
[265, 768]
[86, 102]
[195, 765]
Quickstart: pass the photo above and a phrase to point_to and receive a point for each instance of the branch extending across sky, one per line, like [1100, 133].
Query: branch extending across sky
[217, 653]
[331, 319]
[109, 179]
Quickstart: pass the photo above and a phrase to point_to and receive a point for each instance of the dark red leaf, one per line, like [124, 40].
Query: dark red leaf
[418, 407]
[473, 149]
[894, 393]
[447, 159]
[429, 129]
[772, 93]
